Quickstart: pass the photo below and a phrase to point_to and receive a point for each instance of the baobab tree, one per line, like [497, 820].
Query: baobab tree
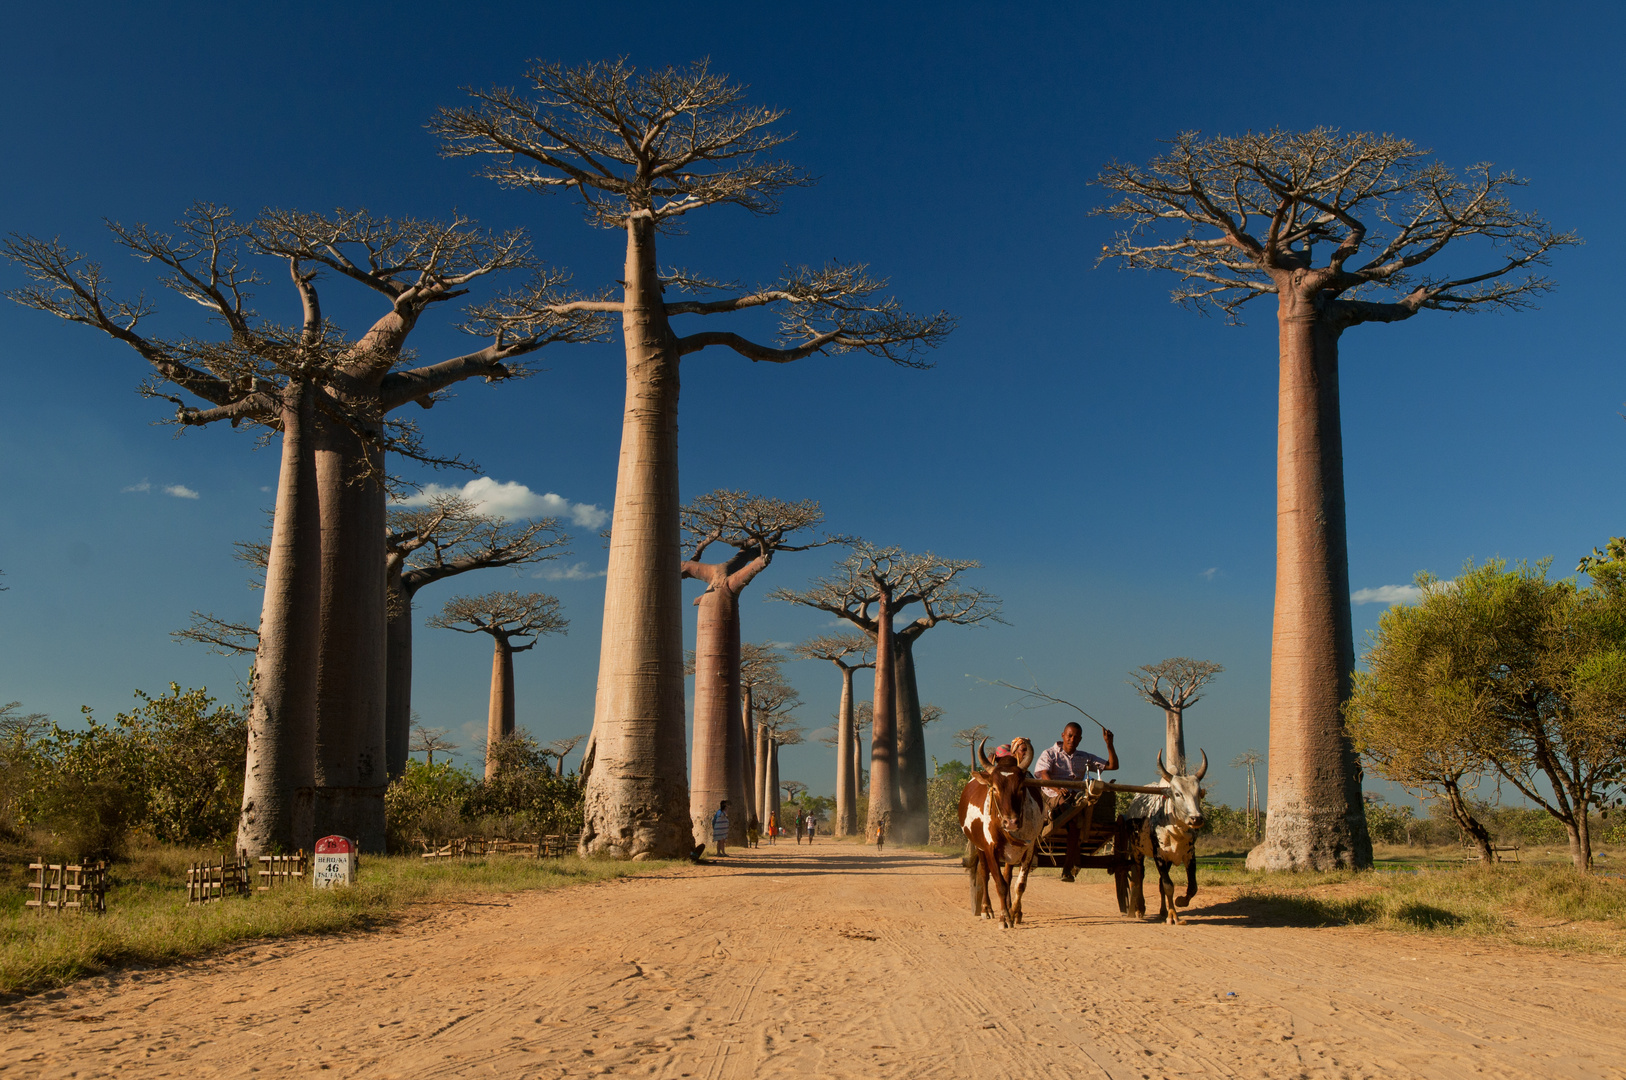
[1174, 686]
[849, 653]
[561, 748]
[760, 665]
[753, 529]
[504, 616]
[1239, 217]
[772, 705]
[642, 150]
[1249, 760]
[968, 738]
[868, 589]
[430, 741]
[425, 544]
[316, 729]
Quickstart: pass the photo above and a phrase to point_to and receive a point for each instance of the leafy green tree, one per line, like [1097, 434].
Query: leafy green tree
[191, 758]
[1507, 668]
[426, 801]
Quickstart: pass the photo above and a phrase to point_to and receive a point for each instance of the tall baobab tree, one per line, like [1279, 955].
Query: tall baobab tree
[505, 616]
[772, 705]
[642, 150]
[968, 738]
[868, 589]
[753, 529]
[759, 666]
[425, 544]
[1174, 685]
[849, 653]
[327, 395]
[1249, 760]
[1238, 217]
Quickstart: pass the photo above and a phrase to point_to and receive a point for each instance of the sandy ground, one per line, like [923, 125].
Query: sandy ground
[831, 961]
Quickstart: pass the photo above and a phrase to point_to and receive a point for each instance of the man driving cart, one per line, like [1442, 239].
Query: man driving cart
[1065, 761]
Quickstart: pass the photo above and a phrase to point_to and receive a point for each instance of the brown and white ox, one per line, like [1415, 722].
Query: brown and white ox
[1164, 828]
[1002, 819]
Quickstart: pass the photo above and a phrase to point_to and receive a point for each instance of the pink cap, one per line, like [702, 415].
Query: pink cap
[1004, 751]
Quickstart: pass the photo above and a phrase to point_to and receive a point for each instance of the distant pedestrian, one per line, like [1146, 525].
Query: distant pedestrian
[811, 821]
[773, 828]
[798, 830]
[880, 832]
[719, 828]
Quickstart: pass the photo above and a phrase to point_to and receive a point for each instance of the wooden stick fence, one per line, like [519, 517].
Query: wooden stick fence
[551, 846]
[208, 882]
[78, 886]
[278, 870]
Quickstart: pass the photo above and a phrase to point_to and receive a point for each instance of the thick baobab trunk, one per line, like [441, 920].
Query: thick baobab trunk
[762, 741]
[1174, 740]
[398, 672]
[277, 812]
[883, 736]
[858, 761]
[500, 710]
[1317, 820]
[846, 822]
[718, 755]
[773, 781]
[350, 760]
[748, 764]
[910, 826]
[637, 798]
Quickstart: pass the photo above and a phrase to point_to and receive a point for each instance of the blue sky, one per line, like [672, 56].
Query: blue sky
[1107, 455]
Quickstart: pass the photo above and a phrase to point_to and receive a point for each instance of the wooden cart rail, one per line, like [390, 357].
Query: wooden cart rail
[1083, 785]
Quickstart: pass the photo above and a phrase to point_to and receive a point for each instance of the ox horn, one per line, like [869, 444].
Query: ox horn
[982, 752]
[1204, 766]
[1161, 771]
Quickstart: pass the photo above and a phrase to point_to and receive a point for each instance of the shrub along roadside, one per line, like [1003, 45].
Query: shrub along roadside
[149, 923]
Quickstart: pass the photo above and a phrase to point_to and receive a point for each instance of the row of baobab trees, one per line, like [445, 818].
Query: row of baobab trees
[1343, 229]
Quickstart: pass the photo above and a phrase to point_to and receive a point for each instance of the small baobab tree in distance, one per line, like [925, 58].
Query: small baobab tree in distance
[849, 653]
[1239, 217]
[1249, 760]
[643, 149]
[760, 665]
[968, 738]
[772, 706]
[753, 529]
[424, 544]
[561, 748]
[430, 741]
[504, 616]
[1174, 685]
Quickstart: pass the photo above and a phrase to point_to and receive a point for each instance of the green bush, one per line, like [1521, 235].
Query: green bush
[427, 801]
[943, 809]
[523, 796]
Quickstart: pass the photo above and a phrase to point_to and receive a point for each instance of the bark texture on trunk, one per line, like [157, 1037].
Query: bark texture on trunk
[398, 672]
[773, 781]
[909, 825]
[351, 773]
[500, 709]
[846, 823]
[637, 798]
[718, 757]
[1316, 818]
[277, 795]
[762, 740]
[748, 766]
[883, 751]
[1174, 740]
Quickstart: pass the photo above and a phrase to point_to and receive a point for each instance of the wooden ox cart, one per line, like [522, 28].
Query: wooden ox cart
[1098, 806]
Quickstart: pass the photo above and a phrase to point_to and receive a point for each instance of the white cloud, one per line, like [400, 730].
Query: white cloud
[573, 572]
[1208, 575]
[1387, 594]
[515, 500]
[143, 486]
[180, 491]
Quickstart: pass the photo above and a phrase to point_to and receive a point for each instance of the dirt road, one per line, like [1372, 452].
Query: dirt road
[831, 961]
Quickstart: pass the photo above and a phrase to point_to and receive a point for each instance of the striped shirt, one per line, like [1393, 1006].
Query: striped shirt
[719, 825]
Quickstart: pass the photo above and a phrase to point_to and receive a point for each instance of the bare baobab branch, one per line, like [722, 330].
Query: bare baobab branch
[225, 638]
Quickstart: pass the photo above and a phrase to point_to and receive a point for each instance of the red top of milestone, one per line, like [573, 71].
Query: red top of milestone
[335, 845]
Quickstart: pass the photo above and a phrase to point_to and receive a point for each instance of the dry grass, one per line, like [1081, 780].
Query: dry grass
[1550, 906]
[148, 921]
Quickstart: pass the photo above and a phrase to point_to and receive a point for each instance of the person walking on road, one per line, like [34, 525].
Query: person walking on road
[810, 824]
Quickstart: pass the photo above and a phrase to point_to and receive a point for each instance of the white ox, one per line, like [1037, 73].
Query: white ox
[1164, 828]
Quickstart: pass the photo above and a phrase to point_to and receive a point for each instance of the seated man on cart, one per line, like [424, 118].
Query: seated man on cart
[1065, 761]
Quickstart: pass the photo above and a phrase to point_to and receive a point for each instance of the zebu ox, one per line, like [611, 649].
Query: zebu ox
[1164, 828]
[1002, 820]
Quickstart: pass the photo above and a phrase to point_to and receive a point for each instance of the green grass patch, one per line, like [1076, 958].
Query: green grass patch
[1551, 906]
[149, 923]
